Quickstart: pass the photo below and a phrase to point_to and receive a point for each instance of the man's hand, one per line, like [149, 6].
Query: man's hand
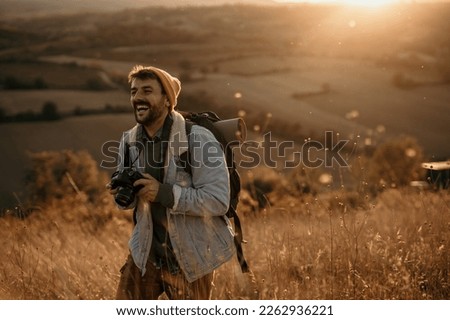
[150, 187]
[111, 191]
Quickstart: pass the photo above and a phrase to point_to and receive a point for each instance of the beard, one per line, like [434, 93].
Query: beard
[153, 113]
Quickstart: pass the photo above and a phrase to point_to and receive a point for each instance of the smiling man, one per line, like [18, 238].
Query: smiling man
[181, 234]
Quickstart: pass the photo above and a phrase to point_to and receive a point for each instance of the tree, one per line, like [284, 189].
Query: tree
[3, 116]
[39, 83]
[50, 111]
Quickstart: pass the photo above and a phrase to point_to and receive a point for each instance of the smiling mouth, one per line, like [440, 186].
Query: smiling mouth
[142, 108]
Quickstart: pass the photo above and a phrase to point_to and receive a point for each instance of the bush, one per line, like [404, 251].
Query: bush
[57, 174]
[39, 83]
[395, 163]
[50, 111]
[13, 83]
[3, 115]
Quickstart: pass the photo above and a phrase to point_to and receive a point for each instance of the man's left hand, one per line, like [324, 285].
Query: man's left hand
[150, 187]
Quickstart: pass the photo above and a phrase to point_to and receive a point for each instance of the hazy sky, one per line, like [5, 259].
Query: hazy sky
[360, 2]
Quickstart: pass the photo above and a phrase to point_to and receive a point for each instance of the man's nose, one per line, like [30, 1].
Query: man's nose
[138, 96]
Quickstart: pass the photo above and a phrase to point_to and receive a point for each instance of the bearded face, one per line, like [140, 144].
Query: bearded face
[147, 113]
[148, 101]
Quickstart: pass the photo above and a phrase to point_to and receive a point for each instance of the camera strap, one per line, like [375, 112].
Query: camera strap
[165, 136]
[127, 155]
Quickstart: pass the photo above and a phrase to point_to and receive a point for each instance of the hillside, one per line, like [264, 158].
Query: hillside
[368, 76]
[13, 9]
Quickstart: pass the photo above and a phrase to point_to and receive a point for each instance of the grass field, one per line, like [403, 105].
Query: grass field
[300, 248]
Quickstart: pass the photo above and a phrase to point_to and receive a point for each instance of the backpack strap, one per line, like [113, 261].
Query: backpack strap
[239, 240]
[238, 237]
[185, 158]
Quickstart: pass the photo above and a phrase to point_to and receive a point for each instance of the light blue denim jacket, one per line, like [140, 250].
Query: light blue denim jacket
[200, 233]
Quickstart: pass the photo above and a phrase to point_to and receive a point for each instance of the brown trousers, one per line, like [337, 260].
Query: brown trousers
[156, 281]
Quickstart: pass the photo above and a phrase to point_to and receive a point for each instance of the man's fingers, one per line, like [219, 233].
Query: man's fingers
[147, 180]
[151, 184]
[149, 189]
[142, 182]
[148, 176]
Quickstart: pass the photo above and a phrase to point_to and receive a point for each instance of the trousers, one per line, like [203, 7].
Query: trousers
[159, 280]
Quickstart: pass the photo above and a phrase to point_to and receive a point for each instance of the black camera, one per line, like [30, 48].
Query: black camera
[123, 180]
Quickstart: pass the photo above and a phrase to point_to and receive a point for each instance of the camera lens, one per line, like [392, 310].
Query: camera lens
[124, 197]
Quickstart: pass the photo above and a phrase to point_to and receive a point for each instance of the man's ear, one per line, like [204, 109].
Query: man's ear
[167, 102]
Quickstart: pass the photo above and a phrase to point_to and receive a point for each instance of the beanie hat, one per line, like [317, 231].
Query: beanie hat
[171, 85]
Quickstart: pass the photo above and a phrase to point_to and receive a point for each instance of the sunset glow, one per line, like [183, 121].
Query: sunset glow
[370, 3]
[365, 3]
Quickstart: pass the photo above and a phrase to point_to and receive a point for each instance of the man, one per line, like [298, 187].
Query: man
[181, 234]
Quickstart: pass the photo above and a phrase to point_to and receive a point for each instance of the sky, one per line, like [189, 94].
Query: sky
[357, 2]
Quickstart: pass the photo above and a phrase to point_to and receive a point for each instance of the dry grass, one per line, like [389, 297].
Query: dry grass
[301, 248]
[69, 250]
[398, 248]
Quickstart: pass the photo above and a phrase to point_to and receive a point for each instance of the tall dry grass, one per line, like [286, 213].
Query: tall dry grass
[332, 244]
[301, 248]
[397, 248]
[71, 249]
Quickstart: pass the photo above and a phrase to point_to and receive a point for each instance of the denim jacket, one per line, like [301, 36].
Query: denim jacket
[200, 233]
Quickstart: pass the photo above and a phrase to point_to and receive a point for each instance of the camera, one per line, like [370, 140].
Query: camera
[123, 180]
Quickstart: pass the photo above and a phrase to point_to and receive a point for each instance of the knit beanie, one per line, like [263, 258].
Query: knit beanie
[172, 86]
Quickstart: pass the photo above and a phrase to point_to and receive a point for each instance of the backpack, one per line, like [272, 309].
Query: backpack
[207, 119]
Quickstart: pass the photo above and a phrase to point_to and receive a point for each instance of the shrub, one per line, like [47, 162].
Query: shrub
[39, 83]
[57, 174]
[3, 115]
[50, 111]
[395, 163]
[13, 83]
